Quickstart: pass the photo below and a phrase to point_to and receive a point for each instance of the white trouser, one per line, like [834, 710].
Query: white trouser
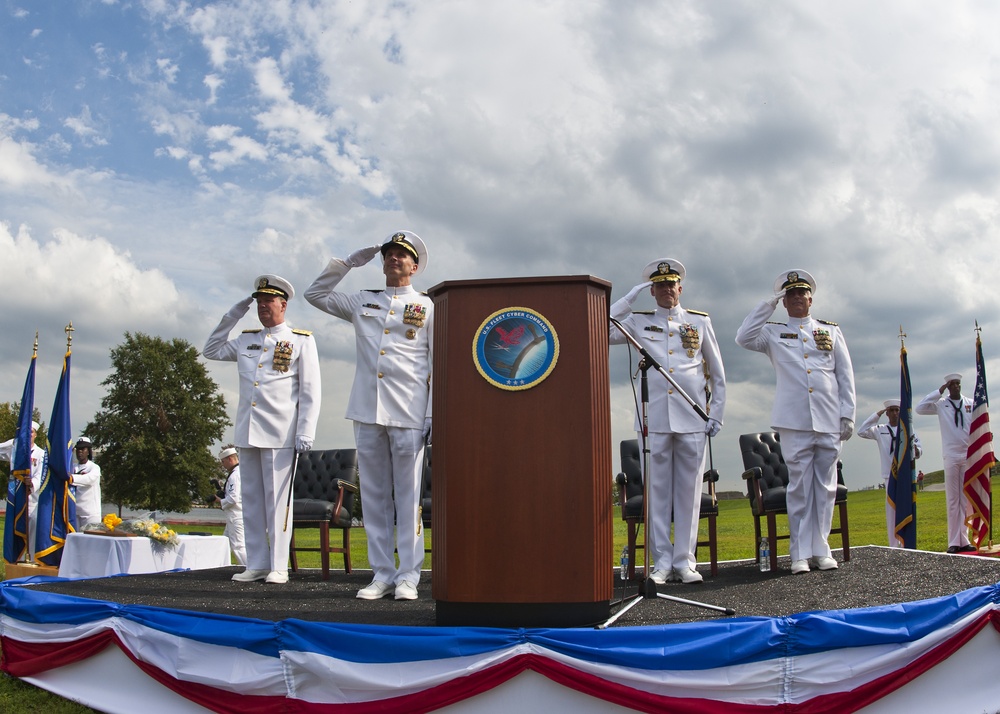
[266, 478]
[390, 468]
[956, 504]
[811, 458]
[676, 463]
[234, 532]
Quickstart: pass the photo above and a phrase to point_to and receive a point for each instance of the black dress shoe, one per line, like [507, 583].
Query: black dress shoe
[952, 549]
[967, 549]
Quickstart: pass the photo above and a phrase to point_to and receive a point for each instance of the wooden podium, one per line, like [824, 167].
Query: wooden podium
[522, 461]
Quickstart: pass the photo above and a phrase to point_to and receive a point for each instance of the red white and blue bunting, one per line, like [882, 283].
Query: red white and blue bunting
[834, 661]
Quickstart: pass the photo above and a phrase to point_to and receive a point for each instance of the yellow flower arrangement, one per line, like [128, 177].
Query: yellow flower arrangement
[141, 527]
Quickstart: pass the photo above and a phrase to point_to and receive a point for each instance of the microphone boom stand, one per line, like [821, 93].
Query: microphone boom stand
[647, 589]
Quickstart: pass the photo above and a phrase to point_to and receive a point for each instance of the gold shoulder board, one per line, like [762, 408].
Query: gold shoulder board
[827, 322]
[251, 330]
[697, 312]
[297, 331]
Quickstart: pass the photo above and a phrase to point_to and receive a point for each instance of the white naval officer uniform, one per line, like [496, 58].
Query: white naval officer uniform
[389, 404]
[955, 421]
[885, 436]
[39, 465]
[275, 408]
[815, 390]
[677, 435]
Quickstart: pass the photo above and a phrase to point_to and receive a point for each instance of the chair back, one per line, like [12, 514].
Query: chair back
[425, 489]
[763, 451]
[631, 461]
[317, 477]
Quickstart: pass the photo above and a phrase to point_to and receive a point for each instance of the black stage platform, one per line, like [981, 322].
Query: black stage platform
[874, 576]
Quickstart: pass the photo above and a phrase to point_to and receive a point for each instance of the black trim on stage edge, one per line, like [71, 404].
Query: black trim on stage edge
[521, 614]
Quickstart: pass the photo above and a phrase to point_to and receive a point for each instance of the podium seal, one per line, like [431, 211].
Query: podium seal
[515, 348]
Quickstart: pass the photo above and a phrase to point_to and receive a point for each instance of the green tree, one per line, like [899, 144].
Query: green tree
[161, 414]
[8, 428]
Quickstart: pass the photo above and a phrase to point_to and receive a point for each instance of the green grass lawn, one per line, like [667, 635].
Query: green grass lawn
[735, 536]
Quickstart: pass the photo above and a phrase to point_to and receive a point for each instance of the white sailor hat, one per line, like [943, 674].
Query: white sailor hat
[953, 377]
[272, 285]
[34, 426]
[790, 279]
[411, 242]
[664, 269]
[83, 441]
[228, 451]
[891, 403]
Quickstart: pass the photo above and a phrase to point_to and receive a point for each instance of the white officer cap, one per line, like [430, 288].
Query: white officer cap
[411, 242]
[954, 376]
[34, 426]
[891, 403]
[228, 451]
[83, 441]
[272, 285]
[664, 269]
[795, 279]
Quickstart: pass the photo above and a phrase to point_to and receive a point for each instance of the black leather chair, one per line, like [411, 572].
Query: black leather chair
[767, 480]
[630, 499]
[326, 482]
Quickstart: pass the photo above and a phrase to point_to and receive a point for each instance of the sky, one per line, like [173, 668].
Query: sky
[156, 156]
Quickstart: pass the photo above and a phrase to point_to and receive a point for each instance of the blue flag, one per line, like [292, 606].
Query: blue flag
[15, 527]
[56, 505]
[901, 490]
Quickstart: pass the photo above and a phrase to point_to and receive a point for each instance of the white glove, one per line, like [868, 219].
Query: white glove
[303, 444]
[773, 302]
[634, 292]
[241, 308]
[360, 257]
[712, 426]
[623, 306]
[846, 428]
[427, 430]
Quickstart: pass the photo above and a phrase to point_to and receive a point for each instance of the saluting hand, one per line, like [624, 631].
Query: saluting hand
[362, 256]
[240, 309]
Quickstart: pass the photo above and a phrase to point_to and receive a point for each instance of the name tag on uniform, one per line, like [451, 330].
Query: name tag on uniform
[372, 306]
[253, 347]
[653, 328]
[789, 336]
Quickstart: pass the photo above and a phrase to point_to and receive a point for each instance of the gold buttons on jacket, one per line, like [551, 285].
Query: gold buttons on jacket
[380, 375]
[381, 352]
[387, 331]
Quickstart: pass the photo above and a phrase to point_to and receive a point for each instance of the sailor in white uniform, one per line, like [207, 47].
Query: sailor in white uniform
[280, 395]
[683, 343]
[390, 402]
[954, 413]
[86, 483]
[886, 436]
[231, 502]
[813, 413]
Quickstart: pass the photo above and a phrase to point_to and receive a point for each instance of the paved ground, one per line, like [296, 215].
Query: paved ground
[874, 576]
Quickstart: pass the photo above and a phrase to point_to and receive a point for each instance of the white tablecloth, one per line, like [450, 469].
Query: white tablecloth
[95, 556]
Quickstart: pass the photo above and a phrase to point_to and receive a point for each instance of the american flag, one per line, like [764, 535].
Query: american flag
[979, 458]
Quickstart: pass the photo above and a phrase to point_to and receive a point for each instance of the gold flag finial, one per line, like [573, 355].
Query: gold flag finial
[902, 337]
[34, 350]
[69, 334]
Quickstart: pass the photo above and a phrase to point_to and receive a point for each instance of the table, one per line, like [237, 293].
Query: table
[96, 556]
